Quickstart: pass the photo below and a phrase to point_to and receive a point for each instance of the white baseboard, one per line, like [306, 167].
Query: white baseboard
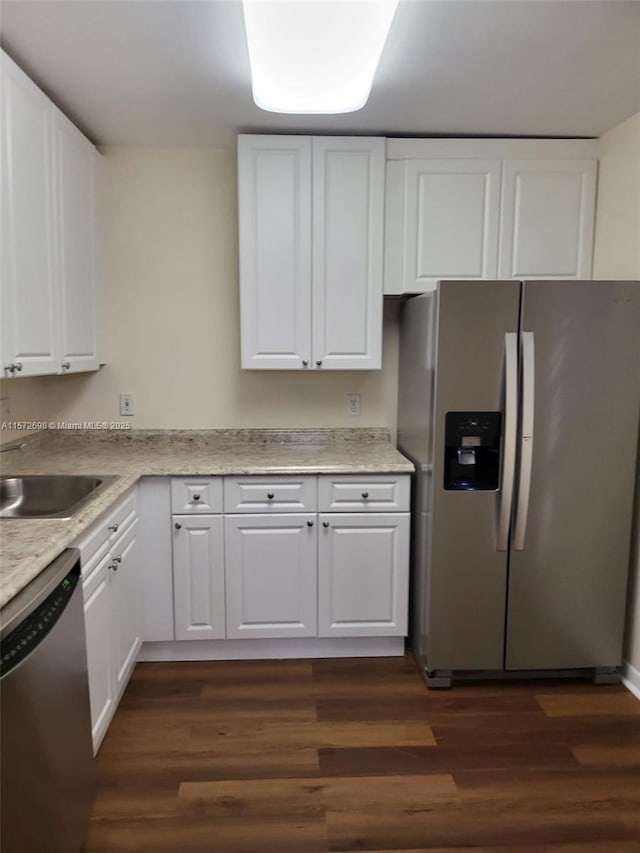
[273, 649]
[631, 678]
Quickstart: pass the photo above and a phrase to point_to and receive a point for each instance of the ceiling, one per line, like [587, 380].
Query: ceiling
[176, 72]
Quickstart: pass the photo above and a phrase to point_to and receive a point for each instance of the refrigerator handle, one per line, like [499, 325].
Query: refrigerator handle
[510, 439]
[526, 440]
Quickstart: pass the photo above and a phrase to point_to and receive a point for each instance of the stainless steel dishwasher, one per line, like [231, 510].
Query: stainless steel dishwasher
[46, 764]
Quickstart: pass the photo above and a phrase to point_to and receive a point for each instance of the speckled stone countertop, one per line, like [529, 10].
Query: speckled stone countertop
[27, 546]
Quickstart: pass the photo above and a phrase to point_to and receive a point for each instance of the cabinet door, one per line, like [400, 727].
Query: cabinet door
[348, 217]
[547, 218]
[270, 565]
[127, 616]
[363, 575]
[29, 319]
[442, 222]
[75, 162]
[98, 622]
[198, 577]
[274, 197]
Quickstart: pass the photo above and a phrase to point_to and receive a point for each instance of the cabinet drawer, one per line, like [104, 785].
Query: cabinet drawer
[104, 557]
[196, 494]
[97, 574]
[270, 494]
[366, 493]
[96, 540]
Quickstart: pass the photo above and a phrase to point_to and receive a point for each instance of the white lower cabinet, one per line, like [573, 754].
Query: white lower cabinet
[198, 577]
[100, 657]
[125, 583]
[286, 557]
[270, 565]
[111, 591]
[363, 574]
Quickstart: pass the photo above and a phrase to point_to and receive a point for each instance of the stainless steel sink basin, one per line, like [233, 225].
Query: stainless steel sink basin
[48, 496]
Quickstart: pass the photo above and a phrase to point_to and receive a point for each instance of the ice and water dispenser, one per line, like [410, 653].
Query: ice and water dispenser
[472, 451]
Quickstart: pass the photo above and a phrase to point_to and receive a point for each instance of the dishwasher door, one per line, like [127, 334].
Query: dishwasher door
[46, 765]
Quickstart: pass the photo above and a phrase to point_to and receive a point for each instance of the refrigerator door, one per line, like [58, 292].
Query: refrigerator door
[572, 525]
[467, 572]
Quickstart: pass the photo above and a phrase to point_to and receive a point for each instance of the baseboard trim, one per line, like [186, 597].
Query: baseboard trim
[631, 678]
[273, 649]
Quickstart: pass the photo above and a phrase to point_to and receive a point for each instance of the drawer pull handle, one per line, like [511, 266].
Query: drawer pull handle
[309, 523]
[196, 497]
[270, 496]
[325, 524]
[113, 528]
[177, 526]
[365, 495]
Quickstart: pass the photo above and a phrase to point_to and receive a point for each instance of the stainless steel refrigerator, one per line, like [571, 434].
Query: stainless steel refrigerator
[518, 403]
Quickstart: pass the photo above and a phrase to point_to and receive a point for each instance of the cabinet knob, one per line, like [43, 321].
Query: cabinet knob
[66, 365]
[270, 496]
[117, 560]
[309, 523]
[14, 367]
[113, 565]
[319, 363]
[18, 366]
[113, 528]
[196, 497]
[177, 526]
[365, 495]
[305, 362]
[9, 368]
[325, 524]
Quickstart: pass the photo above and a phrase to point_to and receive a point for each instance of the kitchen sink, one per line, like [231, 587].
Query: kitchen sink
[48, 495]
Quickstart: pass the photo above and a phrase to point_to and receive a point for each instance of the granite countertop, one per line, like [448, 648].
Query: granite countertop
[27, 546]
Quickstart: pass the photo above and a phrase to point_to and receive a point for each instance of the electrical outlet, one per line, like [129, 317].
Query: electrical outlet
[353, 404]
[126, 404]
[5, 411]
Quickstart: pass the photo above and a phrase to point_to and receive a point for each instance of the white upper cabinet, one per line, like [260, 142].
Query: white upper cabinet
[30, 340]
[75, 165]
[311, 225]
[274, 198]
[442, 221]
[48, 289]
[547, 218]
[477, 209]
[348, 205]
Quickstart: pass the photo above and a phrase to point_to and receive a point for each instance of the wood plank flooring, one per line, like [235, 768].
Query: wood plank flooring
[357, 755]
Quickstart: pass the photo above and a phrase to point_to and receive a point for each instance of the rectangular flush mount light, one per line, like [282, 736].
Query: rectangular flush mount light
[315, 56]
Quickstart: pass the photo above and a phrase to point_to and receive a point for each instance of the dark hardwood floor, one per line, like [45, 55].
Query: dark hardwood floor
[357, 755]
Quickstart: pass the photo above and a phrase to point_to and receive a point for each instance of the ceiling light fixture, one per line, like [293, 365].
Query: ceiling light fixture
[315, 56]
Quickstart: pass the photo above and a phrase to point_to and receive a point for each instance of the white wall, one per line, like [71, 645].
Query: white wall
[617, 255]
[172, 315]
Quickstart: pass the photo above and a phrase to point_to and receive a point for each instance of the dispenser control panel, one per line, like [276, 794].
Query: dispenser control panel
[472, 451]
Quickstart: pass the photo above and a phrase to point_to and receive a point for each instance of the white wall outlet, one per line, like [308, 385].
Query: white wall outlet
[353, 404]
[5, 411]
[126, 404]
